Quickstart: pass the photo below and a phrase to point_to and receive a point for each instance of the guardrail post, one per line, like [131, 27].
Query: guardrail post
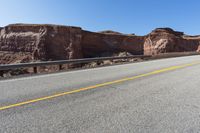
[35, 69]
[60, 67]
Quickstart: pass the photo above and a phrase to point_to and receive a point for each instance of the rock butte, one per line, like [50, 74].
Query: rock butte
[30, 42]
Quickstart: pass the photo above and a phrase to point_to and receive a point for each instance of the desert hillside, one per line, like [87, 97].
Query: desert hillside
[30, 42]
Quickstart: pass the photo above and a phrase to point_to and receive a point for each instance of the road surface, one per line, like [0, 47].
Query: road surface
[154, 96]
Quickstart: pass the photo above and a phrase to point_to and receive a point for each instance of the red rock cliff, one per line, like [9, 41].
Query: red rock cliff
[165, 40]
[103, 44]
[40, 42]
[26, 42]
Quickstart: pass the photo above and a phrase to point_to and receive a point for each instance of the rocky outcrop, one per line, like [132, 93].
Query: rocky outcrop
[105, 44]
[26, 43]
[41, 42]
[165, 40]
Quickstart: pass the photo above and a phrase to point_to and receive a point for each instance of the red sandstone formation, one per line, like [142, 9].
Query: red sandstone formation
[26, 42]
[165, 40]
[103, 44]
[40, 42]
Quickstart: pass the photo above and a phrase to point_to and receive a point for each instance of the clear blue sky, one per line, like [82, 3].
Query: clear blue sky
[126, 16]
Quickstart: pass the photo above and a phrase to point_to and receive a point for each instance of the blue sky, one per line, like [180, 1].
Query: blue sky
[126, 16]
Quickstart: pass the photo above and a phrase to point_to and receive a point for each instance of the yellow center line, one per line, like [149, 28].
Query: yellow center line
[96, 86]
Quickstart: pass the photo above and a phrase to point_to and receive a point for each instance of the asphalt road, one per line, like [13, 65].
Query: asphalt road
[160, 96]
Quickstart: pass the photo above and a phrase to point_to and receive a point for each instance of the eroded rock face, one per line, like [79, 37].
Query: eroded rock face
[165, 40]
[26, 43]
[105, 44]
[41, 42]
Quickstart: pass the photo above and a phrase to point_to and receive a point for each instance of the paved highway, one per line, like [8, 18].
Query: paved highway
[154, 96]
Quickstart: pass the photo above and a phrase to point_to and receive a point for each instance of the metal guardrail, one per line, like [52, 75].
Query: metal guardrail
[62, 62]
[34, 65]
